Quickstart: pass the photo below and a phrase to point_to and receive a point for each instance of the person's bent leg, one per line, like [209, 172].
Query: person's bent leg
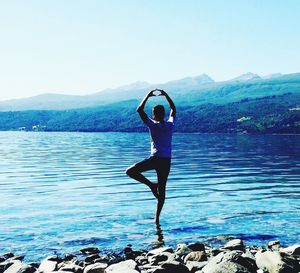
[135, 173]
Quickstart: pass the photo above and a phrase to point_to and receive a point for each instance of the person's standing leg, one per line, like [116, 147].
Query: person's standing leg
[135, 171]
[162, 175]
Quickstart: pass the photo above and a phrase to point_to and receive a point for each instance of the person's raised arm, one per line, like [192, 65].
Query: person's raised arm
[140, 108]
[170, 101]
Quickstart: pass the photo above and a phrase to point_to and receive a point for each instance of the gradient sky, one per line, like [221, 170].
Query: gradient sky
[81, 47]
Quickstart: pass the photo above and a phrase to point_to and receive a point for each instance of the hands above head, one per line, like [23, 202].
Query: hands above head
[152, 93]
[162, 92]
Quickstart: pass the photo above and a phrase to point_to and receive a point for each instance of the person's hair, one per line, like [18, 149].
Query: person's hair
[159, 112]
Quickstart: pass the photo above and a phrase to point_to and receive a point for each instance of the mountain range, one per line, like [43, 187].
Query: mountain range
[188, 91]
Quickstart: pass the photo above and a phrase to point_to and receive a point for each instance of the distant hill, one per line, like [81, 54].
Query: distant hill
[187, 91]
[247, 77]
[272, 114]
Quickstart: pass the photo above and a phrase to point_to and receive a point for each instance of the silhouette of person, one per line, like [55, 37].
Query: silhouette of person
[161, 149]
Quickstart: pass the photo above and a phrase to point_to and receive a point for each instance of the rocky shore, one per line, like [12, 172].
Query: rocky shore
[233, 257]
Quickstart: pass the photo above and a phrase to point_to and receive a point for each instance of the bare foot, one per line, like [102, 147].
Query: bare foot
[153, 187]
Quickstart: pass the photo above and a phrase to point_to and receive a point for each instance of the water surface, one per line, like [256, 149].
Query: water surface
[62, 191]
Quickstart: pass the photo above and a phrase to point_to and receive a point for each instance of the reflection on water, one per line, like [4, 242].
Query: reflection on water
[61, 191]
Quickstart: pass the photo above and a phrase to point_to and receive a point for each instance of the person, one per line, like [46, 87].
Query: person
[161, 149]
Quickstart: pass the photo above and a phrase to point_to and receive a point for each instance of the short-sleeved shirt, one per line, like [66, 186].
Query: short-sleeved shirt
[161, 137]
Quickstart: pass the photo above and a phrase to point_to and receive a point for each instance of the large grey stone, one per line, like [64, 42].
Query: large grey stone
[95, 268]
[49, 264]
[71, 267]
[276, 262]
[175, 267]
[19, 267]
[224, 260]
[159, 251]
[128, 266]
[161, 258]
[227, 267]
[235, 244]
[182, 249]
[195, 266]
[293, 250]
[197, 256]
[196, 247]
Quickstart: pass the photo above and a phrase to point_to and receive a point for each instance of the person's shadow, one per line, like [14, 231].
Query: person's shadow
[160, 237]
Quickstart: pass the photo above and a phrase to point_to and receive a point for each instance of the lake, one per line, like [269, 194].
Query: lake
[63, 191]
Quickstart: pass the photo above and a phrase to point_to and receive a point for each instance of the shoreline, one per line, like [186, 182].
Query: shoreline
[232, 257]
[146, 132]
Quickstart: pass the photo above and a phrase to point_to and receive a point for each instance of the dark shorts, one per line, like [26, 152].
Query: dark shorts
[162, 166]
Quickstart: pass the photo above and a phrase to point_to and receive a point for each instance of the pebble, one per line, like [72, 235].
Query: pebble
[233, 257]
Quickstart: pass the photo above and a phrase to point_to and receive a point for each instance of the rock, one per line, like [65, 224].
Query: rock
[274, 245]
[227, 267]
[175, 267]
[19, 267]
[8, 255]
[197, 247]
[90, 250]
[69, 257]
[159, 251]
[197, 256]
[49, 264]
[160, 258]
[232, 260]
[182, 249]
[128, 266]
[235, 244]
[148, 268]
[141, 260]
[195, 266]
[293, 250]
[276, 262]
[72, 267]
[36, 265]
[128, 252]
[95, 268]
[21, 258]
[91, 258]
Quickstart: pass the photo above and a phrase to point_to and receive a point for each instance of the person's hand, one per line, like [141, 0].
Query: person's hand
[151, 93]
[162, 92]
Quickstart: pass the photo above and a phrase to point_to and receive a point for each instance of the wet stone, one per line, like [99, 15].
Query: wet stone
[91, 258]
[8, 255]
[96, 268]
[196, 247]
[90, 250]
[274, 245]
[197, 256]
[235, 244]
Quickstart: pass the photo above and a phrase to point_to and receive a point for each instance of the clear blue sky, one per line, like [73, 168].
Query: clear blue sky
[81, 47]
